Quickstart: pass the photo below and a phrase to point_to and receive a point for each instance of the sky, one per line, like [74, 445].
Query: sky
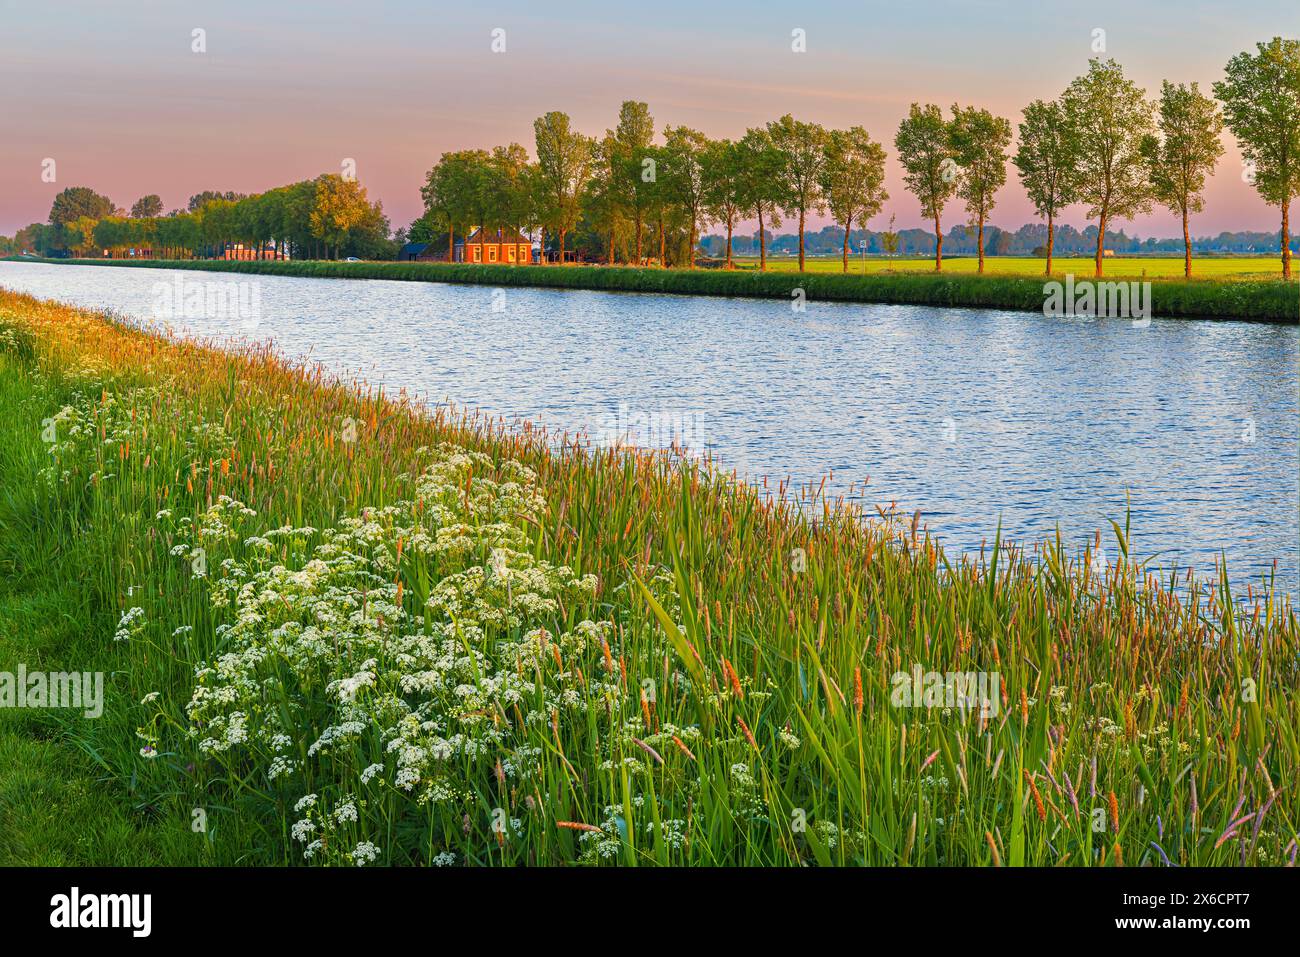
[118, 98]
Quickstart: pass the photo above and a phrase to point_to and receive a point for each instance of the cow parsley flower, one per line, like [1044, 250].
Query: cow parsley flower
[365, 853]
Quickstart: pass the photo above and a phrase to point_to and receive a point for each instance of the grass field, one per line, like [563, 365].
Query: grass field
[1148, 267]
[339, 630]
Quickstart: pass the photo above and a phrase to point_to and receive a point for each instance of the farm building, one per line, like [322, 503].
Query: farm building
[497, 246]
[249, 251]
[411, 252]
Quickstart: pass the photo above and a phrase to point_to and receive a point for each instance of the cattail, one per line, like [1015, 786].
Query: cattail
[857, 689]
[1038, 798]
[682, 746]
[577, 826]
[1231, 832]
[748, 734]
[1024, 707]
[732, 678]
[1114, 811]
[648, 750]
[911, 839]
[997, 858]
[1069, 790]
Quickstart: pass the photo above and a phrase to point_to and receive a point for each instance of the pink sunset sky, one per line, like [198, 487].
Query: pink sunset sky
[115, 95]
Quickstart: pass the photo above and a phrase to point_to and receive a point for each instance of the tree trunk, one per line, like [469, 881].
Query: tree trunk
[638, 237]
[690, 263]
[979, 238]
[451, 243]
[1051, 238]
[663, 253]
[611, 246]
[729, 244]
[801, 216]
[1101, 240]
[1286, 237]
[1187, 249]
[563, 233]
[938, 245]
[847, 226]
[762, 243]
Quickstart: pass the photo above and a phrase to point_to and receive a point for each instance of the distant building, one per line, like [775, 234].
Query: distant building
[249, 251]
[507, 246]
[411, 252]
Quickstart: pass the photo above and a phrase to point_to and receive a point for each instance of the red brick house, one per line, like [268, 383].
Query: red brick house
[497, 246]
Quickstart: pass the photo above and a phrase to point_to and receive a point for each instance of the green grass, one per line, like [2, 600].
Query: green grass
[1118, 267]
[582, 659]
[59, 806]
[1270, 300]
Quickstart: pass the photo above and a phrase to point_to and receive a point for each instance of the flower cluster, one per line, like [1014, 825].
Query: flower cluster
[377, 663]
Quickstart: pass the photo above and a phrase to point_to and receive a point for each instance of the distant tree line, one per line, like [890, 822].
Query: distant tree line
[628, 197]
[1102, 144]
[961, 240]
[329, 216]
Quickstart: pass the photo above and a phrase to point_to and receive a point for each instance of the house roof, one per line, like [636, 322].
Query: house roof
[496, 236]
[415, 248]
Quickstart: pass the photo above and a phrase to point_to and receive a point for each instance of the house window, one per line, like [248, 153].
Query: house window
[478, 250]
[492, 254]
[510, 253]
[523, 253]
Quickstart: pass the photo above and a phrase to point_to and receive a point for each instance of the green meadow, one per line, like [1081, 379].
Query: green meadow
[1118, 267]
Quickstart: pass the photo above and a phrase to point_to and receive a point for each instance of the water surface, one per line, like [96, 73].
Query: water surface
[967, 415]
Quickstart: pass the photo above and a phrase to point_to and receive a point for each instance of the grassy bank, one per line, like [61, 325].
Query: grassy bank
[1256, 299]
[1118, 267]
[337, 629]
